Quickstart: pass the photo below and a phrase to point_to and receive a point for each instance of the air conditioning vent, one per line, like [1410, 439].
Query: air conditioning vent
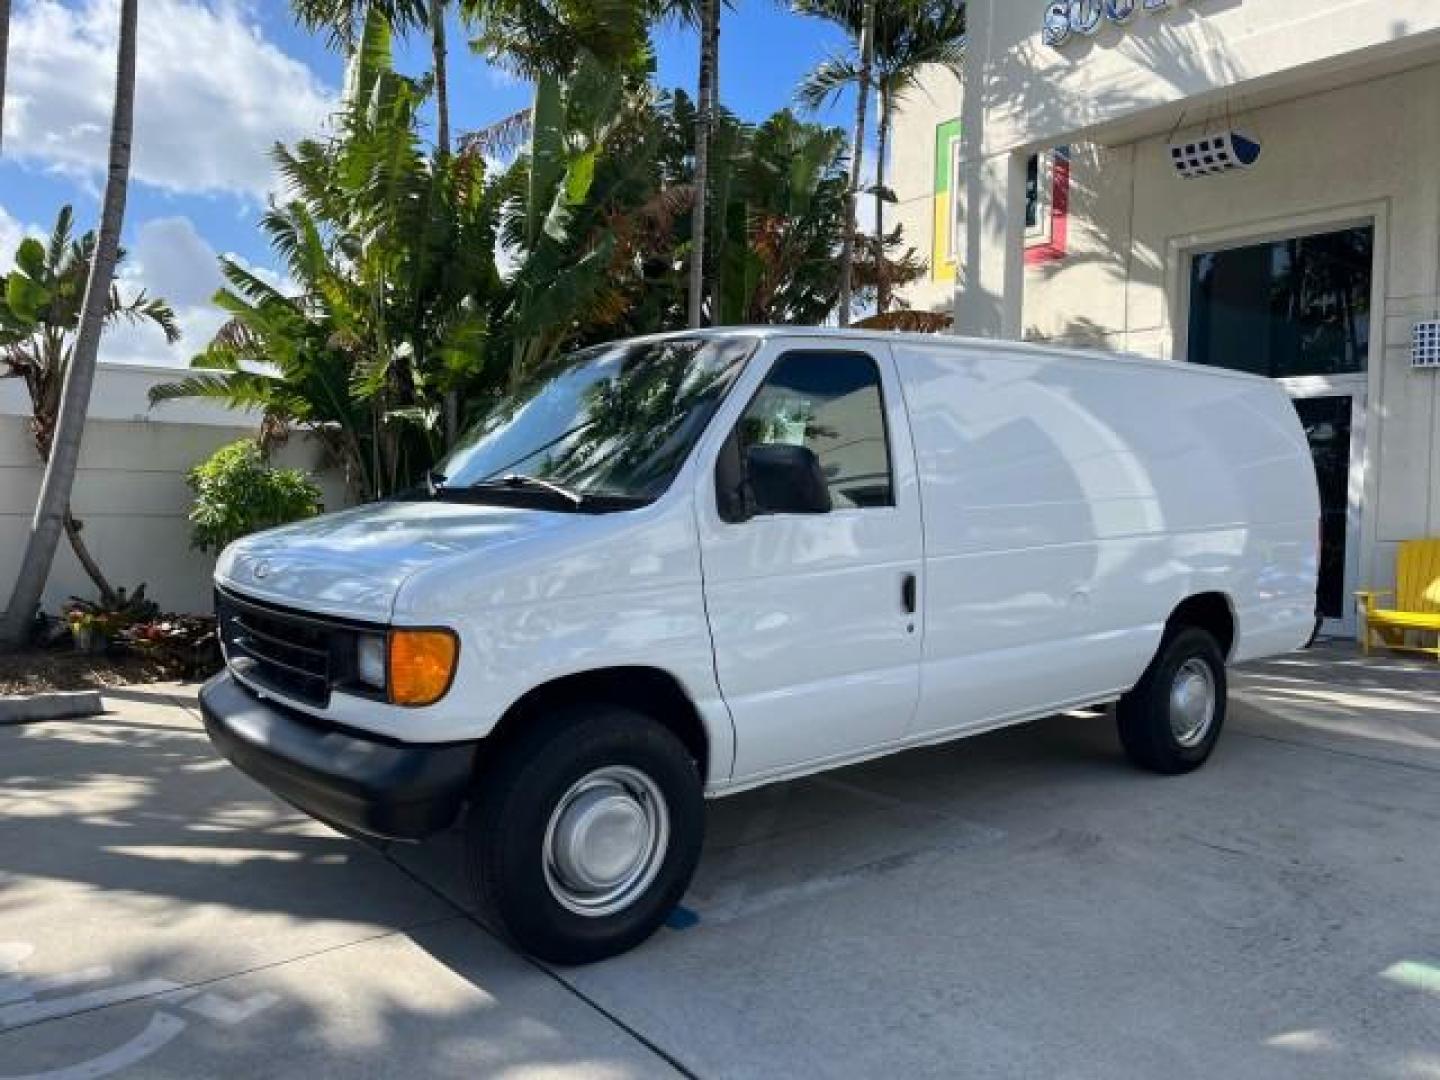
[1425, 354]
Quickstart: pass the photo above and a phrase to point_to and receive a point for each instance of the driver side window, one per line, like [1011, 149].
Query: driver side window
[830, 403]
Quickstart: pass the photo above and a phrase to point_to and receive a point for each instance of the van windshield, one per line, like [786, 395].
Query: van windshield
[608, 426]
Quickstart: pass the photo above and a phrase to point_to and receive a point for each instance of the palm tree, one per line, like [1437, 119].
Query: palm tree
[343, 20]
[866, 48]
[59, 479]
[442, 76]
[393, 253]
[4, 54]
[583, 207]
[786, 184]
[707, 101]
[535, 38]
[39, 311]
[908, 36]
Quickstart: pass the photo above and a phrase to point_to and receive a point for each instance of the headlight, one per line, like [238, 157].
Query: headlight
[422, 663]
[370, 660]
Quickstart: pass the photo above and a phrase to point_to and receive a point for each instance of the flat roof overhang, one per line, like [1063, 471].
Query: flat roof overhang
[1403, 53]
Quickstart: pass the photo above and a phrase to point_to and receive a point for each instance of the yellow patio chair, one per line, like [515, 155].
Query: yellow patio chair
[1417, 601]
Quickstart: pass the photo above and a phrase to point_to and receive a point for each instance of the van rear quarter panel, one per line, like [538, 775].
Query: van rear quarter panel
[1071, 502]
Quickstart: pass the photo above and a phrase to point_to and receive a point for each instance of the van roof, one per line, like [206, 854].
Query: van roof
[1057, 352]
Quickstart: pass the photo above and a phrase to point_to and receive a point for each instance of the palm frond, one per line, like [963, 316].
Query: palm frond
[140, 309]
[501, 138]
[827, 81]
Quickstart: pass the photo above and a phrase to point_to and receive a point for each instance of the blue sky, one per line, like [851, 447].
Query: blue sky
[219, 82]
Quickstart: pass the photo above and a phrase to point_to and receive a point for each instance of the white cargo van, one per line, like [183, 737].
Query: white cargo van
[678, 567]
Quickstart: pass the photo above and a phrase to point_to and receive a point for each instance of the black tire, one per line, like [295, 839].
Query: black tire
[1144, 714]
[506, 826]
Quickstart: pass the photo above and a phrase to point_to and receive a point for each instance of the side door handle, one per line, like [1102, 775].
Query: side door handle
[907, 593]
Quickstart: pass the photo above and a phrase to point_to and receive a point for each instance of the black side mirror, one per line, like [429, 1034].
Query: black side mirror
[785, 479]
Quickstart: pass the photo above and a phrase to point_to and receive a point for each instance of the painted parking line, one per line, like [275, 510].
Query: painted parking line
[16, 988]
[1415, 975]
[25, 1007]
[32, 1012]
[162, 1028]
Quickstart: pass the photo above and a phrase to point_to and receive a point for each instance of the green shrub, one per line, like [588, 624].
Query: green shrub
[237, 492]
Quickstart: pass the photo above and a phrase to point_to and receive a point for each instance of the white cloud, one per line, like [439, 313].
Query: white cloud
[212, 94]
[168, 259]
[11, 233]
[171, 260]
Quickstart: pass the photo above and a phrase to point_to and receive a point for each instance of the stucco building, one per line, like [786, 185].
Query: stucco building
[1092, 180]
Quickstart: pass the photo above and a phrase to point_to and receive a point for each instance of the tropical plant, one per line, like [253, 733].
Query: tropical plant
[396, 300]
[784, 186]
[238, 492]
[908, 36]
[538, 38]
[391, 254]
[588, 211]
[186, 645]
[344, 20]
[864, 36]
[39, 311]
[79, 378]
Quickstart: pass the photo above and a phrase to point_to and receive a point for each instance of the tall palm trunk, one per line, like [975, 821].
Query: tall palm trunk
[704, 114]
[716, 244]
[882, 143]
[438, 52]
[72, 524]
[857, 154]
[442, 88]
[4, 53]
[55, 489]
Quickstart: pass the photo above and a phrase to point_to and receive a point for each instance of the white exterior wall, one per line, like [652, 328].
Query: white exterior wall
[130, 491]
[911, 175]
[1031, 94]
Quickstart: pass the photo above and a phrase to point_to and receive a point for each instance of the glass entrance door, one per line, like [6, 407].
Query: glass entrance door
[1332, 416]
[1297, 309]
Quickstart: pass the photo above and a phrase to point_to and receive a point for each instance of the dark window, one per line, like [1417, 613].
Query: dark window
[831, 403]
[1291, 307]
[1032, 192]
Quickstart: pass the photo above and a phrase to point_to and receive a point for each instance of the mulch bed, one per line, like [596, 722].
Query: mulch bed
[34, 671]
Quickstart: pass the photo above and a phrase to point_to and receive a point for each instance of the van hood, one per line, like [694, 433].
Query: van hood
[352, 563]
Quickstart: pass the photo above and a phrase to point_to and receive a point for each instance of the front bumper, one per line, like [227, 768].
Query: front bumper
[368, 785]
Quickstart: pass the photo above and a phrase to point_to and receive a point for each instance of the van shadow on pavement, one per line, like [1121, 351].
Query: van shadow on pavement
[1018, 904]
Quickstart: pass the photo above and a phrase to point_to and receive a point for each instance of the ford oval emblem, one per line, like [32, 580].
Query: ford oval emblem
[261, 569]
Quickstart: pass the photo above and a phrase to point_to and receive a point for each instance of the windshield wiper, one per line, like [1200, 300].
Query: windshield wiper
[519, 480]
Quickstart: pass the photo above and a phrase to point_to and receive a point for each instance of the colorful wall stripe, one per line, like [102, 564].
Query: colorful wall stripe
[942, 261]
[942, 257]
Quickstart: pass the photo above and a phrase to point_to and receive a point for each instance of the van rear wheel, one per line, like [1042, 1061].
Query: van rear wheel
[1170, 721]
[585, 832]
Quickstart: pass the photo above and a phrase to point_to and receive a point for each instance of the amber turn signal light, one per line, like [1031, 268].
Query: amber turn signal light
[422, 663]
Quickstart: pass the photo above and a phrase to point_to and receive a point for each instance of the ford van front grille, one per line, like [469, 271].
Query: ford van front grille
[277, 649]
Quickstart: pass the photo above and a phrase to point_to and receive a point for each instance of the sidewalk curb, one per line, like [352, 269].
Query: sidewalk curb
[56, 705]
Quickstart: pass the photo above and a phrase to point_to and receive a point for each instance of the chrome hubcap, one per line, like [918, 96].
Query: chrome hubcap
[1192, 702]
[606, 841]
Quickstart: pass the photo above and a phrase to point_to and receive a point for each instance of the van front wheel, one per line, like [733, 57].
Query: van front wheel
[585, 832]
[1170, 721]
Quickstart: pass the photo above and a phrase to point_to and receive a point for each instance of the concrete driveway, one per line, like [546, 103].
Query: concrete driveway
[1022, 904]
